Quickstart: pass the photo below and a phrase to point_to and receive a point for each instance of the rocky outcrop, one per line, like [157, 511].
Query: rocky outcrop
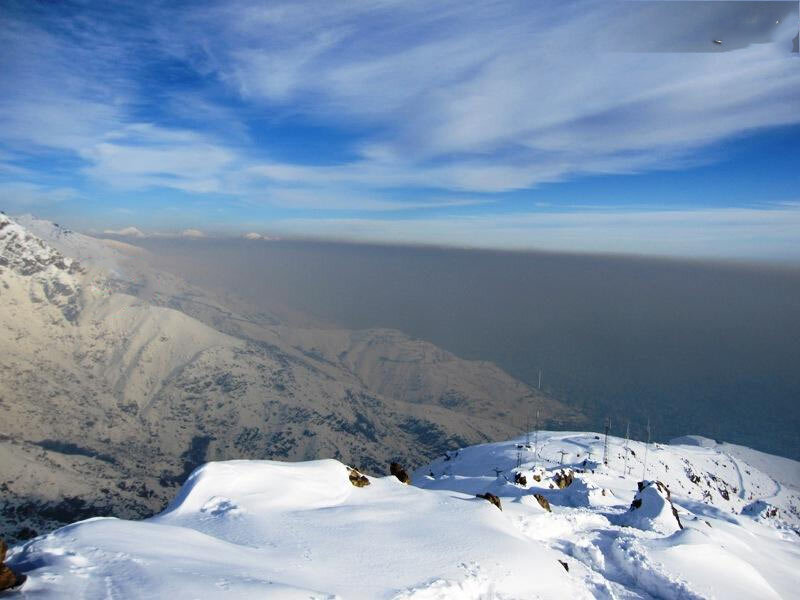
[28, 255]
[563, 479]
[491, 498]
[760, 509]
[399, 472]
[652, 509]
[356, 478]
[520, 479]
[8, 578]
[543, 502]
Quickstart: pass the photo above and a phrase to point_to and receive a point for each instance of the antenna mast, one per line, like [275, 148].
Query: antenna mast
[605, 443]
[644, 469]
[528, 429]
[627, 438]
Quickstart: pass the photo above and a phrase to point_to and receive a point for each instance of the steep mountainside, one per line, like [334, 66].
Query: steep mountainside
[117, 380]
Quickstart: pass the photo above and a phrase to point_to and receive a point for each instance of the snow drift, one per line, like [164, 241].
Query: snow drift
[255, 529]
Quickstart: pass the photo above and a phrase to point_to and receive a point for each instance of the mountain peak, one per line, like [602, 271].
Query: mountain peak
[26, 254]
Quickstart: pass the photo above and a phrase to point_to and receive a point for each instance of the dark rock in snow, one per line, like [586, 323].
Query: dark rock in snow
[542, 502]
[357, 479]
[563, 479]
[520, 479]
[491, 498]
[652, 506]
[399, 472]
[8, 578]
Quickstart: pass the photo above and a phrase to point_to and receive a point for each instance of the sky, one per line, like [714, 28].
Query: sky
[580, 126]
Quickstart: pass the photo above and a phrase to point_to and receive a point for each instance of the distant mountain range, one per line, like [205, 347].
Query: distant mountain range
[116, 380]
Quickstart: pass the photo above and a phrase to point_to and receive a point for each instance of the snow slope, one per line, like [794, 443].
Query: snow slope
[265, 529]
[251, 529]
[723, 548]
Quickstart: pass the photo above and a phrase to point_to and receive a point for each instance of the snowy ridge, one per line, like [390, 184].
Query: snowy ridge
[90, 251]
[38, 270]
[26, 254]
[255, 529]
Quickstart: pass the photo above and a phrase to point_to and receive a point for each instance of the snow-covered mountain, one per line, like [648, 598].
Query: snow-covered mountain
[117, 379]
[704, 524]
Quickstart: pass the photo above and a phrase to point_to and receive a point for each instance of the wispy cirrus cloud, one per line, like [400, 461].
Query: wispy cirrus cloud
[143, 155]
[27, 194]
[499, 97]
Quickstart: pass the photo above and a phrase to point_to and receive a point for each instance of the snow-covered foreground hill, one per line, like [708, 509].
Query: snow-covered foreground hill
[264, 529]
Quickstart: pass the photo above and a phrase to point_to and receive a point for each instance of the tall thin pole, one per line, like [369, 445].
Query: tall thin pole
[646, 450]
[605, 443]
[528, 428]
[627, 438]
[540, 380]
[536, 435]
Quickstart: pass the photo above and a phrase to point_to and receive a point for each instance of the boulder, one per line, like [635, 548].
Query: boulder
[520, 479]
[542, 502]
[652, 509]
[491, 498]
[8, 578]
[565, 565]
[563, 479]
[357, 479]
[399, 472]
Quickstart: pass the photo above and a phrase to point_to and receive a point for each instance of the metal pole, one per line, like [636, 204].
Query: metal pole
[644, 469]
[627, 438]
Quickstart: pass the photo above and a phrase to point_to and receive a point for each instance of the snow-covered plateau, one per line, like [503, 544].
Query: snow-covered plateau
[708, 520]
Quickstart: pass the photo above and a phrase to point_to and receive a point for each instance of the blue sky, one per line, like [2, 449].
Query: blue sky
[509, 124]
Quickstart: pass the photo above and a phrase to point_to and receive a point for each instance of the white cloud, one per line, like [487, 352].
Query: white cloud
[77, 92]
[22, 194]
[192, 233]
[767, 232]
[125, 231]
[143, 155]
[328, 193]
